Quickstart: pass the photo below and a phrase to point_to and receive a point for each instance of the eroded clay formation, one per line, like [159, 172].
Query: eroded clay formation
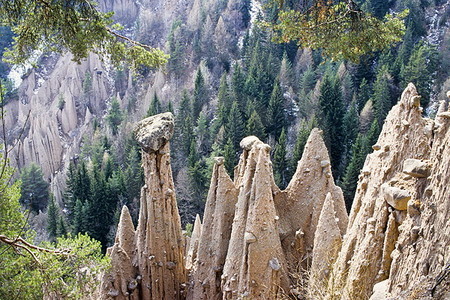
[255, 238]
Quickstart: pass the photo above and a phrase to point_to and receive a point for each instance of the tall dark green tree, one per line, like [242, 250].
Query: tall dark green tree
[331, 120]
[303, 133]
[275, 111]
[363, 95]
[229, 155]
[34, 189]
[255, 126]
[200, 97]
[115, 116]
[382, 95]
[235, 127]
[52, 219]
[183, 125]
[155, 106]
[421, 69]
[279, 161]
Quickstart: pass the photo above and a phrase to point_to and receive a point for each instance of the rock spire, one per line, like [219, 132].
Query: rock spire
[158, 244]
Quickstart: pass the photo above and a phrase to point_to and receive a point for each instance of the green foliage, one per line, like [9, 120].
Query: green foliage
[229, 155]
[331, 120]
[303, 133]
[52, 219]
[34, 189]
[155, 106]
[279, 161]
[421, 67]
[275, 111]
[358, 33]
[76, 26]
[360, 149]
[382, 96]
[200, 97]
[67, 274]
[115, 116]
[183, 126]
[255, 126]
[235, 128]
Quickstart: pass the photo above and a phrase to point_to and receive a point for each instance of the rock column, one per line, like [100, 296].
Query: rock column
[160, 246]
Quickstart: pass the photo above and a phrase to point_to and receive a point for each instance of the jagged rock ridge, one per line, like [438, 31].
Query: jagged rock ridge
[254, 235]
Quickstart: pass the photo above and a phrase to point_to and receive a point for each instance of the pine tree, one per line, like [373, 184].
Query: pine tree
[351, 129]
[183, 125]
[34, 189]
[421, 66]
[155, 106]
[255, 126]
[134, 174]
[308, 80]
[275, 111]
[364, 93]
[202, 134]
[78, 218]
[350, 178]
[115, 116]
[61, 230]
[331, 120]
[52, 219]
[237, 88]
[200, 94]
[303, 133]
[235, 128]
[230, 157]
[382, 96]
[360, 149]
[280, 162]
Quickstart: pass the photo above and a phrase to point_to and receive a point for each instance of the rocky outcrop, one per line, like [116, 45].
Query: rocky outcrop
[327, 243]
[158, 241]
[122, 280]
[47, 123]
[191, 255]
[255, 265]
[213, 243]
[398, 231]
[306, 193]
[395, 244]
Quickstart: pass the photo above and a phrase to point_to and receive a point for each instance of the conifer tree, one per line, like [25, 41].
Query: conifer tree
[308, 80]
[115, 116]
[78, 218]
[382, 96]
[202, 134]
[229, 155]
[52, 219]
[275, 111]
[183, 125]
[303, 133]
[255, 126]
[200, 94]
[331, 120]
[350, 178]
[155, 106]
[363, 95]
[235, 128]
[237, 88]
[34, 189]
[61, 230]
[134, 174]
[280, 162]
[421, 66]
[351, 128]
